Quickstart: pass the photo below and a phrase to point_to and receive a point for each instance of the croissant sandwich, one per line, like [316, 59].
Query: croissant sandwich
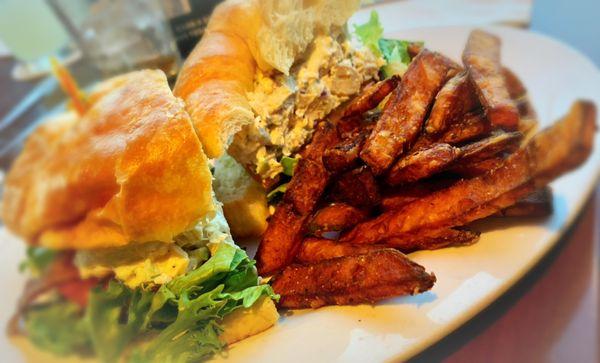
[130, 255]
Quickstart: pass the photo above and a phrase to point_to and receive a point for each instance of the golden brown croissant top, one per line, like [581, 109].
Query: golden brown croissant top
[130, 170]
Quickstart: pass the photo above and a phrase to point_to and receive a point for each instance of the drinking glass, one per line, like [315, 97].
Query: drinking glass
[119, 36]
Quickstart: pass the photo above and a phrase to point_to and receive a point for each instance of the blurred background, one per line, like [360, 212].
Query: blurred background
[94, 39]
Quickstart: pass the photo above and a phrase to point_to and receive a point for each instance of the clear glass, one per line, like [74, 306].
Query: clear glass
[119, 36]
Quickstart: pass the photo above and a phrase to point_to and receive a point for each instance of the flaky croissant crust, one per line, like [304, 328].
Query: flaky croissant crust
[132, 169]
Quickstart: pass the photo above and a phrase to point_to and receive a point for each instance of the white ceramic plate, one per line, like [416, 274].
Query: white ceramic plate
[469, 278]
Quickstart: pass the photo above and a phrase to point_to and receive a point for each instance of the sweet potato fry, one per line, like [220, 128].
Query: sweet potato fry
[565, 145]
[537, 204]
[471, 127]
[414, 48]
[371, 97]
[489, 147]
[324, 136]
[335, 217]
[443, 208]
[349, 126]
[424, 141]
[399, 197]
[422, 164]
[516, 89]
[433, 240]
[357, 188]
[454, 100]
[440, 156]
[281, 240]
[560, 148]
[318, 249]
[349, 280]
[345, 154]
[495, 205]
[528, 127]
[404, 113]
[481, 58]
[518, 93]
[309, 181]
[471, 170]
[283, 235]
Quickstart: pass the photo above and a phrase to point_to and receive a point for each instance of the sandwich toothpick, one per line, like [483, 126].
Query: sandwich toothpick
[69, 86]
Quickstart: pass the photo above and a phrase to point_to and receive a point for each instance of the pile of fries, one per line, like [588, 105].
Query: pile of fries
[405, 166]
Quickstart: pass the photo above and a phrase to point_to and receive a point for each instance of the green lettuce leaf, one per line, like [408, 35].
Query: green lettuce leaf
[229, 266]
[276, 192]
[370, 33]
[182, 318]
[395, 52]
[115, 316]
[227, 281]
[206, 277]
[58, 328]
[194, 335]
[289, 165]
[183, 314]
[37, 259]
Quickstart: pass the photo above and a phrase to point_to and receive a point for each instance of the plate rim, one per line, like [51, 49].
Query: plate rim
[482, 304]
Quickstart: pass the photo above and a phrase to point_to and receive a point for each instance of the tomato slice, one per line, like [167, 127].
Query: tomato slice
[77, 291]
